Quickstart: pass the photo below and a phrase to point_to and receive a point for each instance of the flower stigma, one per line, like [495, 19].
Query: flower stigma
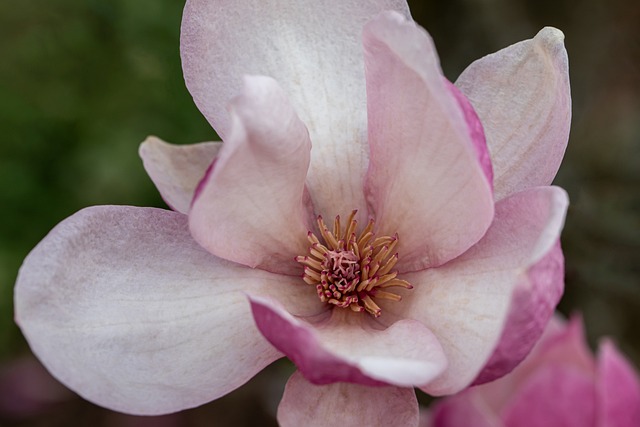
[351, 270]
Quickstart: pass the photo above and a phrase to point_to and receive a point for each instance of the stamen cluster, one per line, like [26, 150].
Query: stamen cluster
[351, 270]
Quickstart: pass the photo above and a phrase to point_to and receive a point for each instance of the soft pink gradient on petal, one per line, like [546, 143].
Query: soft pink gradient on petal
[618, 387]
[176, 170]
[534, 299]
[424, 179]
[298, 342]
[348, 405]
[351, 347]
[463, 410]
[313, 49]
[532, 305]
[476, 131]
[466, 302]
[250, 206]
[522, 96]
[124, 307]
[554, 396]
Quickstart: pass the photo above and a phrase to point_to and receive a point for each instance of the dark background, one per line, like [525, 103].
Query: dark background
[82, 83]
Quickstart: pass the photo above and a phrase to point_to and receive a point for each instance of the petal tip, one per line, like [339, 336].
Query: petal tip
[146, 144]
[560, 196]
[551, 40]
[550, 35]
[391, 15]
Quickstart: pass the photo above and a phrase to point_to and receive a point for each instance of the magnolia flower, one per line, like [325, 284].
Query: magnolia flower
[559, 384]
[354, 220]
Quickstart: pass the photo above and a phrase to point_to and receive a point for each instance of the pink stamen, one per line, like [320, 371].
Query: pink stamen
[350, 269]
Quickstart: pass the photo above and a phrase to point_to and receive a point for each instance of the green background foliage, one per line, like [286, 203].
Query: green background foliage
[82, 83]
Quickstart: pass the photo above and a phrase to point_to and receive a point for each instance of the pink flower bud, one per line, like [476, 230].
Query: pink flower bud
[560, 383]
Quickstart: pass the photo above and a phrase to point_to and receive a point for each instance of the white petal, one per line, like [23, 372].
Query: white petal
[176, 170]
[466, 302]
[305, 404]
[122, 306]
[314, 50]
[251, 207]
[522, 96]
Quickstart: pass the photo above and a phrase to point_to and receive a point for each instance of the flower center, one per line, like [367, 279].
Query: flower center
[351, 270]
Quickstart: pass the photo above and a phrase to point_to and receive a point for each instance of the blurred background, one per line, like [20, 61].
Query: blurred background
[83, 82]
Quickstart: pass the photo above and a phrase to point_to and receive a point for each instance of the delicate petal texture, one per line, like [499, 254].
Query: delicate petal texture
[553, 397]
[523, 98]
[313, 49]
[176, 170]
[619, 389]
[463, 410]
[466, 302]
[534, 299]
[350, 347]
[425, 180]
[348, 405]
[532, 305]
[121, 305]
[249, 207]
[476, 132]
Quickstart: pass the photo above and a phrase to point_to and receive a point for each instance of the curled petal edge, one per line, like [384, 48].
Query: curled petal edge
[252, 207]
[176, 170]
[322, 360]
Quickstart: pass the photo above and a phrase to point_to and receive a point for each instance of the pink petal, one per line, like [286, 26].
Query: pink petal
[557, 396]
[535, 296]
[522, 96]
[476, 131]
[560, 345]
[425, 180]
[463, 410]
[351, 347]
[249, 207]
[533, 302]
[305, 404]
[313, 49]
[618, 389]
[122, 306]
[466, 302]
[176, 170]
[566, 345]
